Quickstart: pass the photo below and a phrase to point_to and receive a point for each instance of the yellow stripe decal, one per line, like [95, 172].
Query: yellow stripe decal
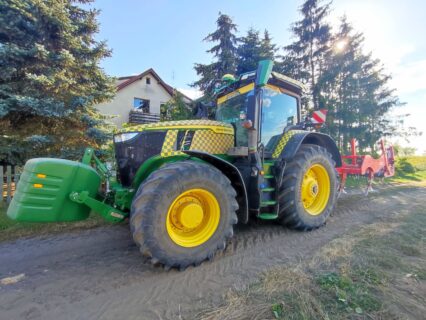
[218, 127]
[283, 141]
[235, 93]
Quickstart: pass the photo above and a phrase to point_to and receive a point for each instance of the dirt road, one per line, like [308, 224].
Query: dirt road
[99, 273]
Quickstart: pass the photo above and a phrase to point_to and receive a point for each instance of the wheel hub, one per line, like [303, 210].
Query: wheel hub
[315, 189]
[193, 217]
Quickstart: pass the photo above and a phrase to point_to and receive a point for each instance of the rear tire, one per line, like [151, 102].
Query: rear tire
[183, 214]
[308, 192]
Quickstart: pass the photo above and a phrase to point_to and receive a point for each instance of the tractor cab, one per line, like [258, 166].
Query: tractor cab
[279, 106]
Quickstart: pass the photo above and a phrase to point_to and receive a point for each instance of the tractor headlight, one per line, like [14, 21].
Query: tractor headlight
[121, 137]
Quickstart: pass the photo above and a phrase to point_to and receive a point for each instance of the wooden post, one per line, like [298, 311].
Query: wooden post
[1, 184]
[8, 184]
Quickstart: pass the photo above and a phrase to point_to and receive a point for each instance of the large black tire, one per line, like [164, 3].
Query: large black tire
[153, 199]
[292, 210]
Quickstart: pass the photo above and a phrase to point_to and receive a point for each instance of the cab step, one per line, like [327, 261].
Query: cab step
[268, 216]
[268, 176]
[268, 203]
[268, 189]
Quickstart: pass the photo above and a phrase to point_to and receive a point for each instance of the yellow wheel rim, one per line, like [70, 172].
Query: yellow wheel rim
[193, 217]
[315, 189]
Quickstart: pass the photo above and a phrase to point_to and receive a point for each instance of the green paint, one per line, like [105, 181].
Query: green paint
[268, 203]
[268, 216]
[45, 198]
[107, 212]
[153, 164]
[263, 73]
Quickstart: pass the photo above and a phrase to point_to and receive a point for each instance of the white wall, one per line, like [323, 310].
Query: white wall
[123, 100]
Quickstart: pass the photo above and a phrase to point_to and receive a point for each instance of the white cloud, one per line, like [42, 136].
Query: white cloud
[192, 93]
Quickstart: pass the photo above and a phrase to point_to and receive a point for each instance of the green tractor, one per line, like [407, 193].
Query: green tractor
[185, 184]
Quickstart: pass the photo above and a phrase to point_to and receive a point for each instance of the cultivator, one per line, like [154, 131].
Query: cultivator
[366, 165]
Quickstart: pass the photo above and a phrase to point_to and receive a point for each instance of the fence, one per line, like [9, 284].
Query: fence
[9, 177]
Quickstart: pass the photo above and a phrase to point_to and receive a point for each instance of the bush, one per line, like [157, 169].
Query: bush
[403, 166]
[419, 162]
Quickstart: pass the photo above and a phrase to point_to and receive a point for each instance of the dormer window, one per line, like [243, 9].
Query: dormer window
[148, 80]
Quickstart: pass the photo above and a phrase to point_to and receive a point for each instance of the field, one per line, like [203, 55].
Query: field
[376, 272]
[367, 262]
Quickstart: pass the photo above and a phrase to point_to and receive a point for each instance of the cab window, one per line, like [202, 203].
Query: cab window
[234, 111]
[279, 110]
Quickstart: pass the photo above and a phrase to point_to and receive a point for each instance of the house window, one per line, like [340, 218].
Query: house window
[140, 104]
[148, 80]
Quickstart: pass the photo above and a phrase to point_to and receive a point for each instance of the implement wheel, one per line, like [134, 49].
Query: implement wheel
[183, 213]
[309, 189]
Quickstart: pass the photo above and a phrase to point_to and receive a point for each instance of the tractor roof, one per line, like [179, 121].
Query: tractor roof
[276, 79]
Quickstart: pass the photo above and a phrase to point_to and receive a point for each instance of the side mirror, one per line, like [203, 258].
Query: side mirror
[252, 111]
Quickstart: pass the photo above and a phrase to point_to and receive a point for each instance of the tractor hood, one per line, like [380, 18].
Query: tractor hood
[215, 126]
[136, 144]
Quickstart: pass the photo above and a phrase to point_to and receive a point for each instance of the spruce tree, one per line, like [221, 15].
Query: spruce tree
[50, 79]
[303, 59]
[252, 49]
[355, 91]
[224, 53]
[268, 48]
[249, 51]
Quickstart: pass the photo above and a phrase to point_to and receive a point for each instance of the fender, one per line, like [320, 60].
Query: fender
[305, 137]
[233, 175]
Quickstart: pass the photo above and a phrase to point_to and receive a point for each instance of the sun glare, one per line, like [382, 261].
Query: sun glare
[340, 45]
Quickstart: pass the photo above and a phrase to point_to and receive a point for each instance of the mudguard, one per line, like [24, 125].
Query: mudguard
[291, 141]
[233, 175]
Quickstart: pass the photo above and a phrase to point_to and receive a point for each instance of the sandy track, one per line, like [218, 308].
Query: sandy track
[99, 273]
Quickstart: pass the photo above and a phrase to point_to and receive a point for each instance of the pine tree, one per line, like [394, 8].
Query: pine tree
[50, 79]
[224, 53]
[303, 59]
[355, 91]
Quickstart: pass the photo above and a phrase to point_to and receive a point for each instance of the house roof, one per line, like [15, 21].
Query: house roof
[130, 79]
[127, 80]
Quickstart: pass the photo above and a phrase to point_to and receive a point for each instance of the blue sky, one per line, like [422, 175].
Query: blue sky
[167, 35]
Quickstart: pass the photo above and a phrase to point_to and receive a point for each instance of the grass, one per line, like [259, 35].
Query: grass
[11, 230]
[417, 178]
[374, 273]
[419, 162]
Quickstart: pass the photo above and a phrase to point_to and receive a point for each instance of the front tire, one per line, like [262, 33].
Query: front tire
[183, 213]
[309, 189]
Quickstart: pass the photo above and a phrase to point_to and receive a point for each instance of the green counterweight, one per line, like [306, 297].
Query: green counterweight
[43, 191]
[54, 190]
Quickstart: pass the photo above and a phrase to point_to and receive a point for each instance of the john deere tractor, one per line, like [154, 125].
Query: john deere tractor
[185, 184]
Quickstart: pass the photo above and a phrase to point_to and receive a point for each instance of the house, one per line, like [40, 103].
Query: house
[138, 99]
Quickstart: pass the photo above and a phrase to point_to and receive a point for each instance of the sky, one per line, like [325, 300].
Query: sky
[167, 35]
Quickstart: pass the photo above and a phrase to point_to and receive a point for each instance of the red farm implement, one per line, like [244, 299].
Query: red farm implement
[366, 165]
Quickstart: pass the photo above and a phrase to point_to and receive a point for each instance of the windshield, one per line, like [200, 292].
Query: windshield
[234, 111]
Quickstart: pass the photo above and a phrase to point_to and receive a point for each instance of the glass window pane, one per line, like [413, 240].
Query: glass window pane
[234, 111]
[279, 110]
